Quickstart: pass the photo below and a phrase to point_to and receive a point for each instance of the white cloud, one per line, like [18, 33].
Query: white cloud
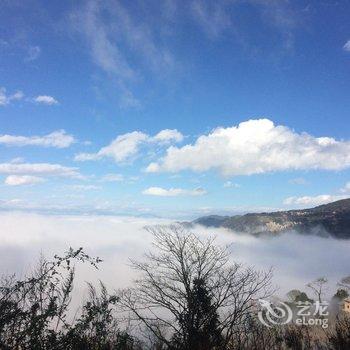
[255, 147]
[104, 51]
[218, 17]
[127, 98]
[7, 99]
[346, 188]
[298, 181]
[112, 178]
[229, 184]
[17, 180]
[85, 187]
[33, 53]
[126, 146]
[46, 100]
[109, 37]
[17, 160]
[168, 135]
[58, 139]
[173, 192]
[319, 199]
[45, 169]
[121, 149]
[346, 46]
[281, 16]
[312, 200]
[213, 17]
[82, 157]
[18, 95]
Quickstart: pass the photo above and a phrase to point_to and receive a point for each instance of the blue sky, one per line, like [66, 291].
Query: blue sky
[173, 108]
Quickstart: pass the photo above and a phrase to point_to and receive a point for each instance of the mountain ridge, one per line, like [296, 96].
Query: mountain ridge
[328, 219]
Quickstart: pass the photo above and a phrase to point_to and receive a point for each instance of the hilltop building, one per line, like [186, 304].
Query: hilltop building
[346, 305]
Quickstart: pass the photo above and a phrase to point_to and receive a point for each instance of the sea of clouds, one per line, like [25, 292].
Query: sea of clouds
[295, 259]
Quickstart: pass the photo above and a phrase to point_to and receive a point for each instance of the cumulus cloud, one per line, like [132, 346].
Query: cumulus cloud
[57, 139]
[6, 99]
[46, 100]
[173, 192]
[168, 135]
[346, 46]
[313, 200]
[255, 147]
[44, 169]
[122, 148]
[127, 146]
[18, 180]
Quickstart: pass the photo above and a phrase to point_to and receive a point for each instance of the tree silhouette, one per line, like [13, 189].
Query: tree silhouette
[189, 285]
[200, 322]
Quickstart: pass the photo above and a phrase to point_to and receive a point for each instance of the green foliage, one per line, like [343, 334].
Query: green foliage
[200, 322]
[341, 294]
[297, 296]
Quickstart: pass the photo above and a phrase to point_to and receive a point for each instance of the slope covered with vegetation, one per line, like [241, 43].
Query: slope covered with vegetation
[332, 219]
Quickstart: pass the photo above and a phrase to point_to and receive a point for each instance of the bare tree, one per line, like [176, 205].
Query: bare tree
[163, 296]
[318, 287]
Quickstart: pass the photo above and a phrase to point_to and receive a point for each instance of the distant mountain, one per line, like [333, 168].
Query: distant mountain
[332, 219]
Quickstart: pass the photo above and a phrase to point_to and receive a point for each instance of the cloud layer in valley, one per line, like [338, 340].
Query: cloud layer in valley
[296, 259]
